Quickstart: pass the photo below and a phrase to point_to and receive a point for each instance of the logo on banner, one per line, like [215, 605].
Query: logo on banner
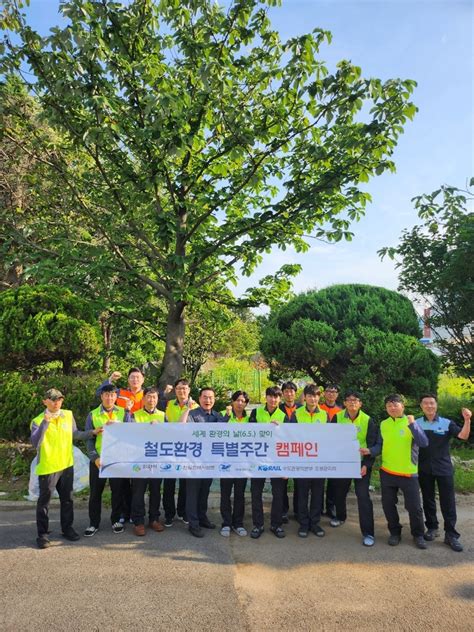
[225, 467]
[269, 468]
[136, 468]
[165, 467]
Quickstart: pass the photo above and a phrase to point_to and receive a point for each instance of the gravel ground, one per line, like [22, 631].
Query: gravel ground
[172, 581]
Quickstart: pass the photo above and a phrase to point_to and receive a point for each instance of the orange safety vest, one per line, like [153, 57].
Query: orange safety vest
[123, 395]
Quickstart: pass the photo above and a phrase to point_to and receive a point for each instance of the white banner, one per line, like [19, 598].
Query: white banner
[231, 450]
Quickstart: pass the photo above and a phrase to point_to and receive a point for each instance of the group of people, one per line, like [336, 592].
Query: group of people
[414, 455]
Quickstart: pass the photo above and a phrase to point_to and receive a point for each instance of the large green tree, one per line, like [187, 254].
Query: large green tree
[190, 140]
[43, 324]
[435, 262]
[359, 336]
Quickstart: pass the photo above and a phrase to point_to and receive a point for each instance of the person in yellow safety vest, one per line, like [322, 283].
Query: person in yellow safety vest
[288, 406]
[399, 441]
[270, 413]
[106, 413]
[149, 414]
[173, 413]
[330, 395]
[234, 520]
[367, 435]
[52, 434]
[309, 518]
[131, 399]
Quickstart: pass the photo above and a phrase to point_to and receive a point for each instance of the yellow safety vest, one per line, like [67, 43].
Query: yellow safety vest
[142, 416]
[55, 451]
[361, 422]
[100, 417]
[174, 410]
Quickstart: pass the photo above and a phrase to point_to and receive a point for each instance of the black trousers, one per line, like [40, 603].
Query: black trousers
[97, 486]
[278, 491]
[390, 485]
[330, 497]
[364, 502]
[447, 501]
[126, 494]
[139, 487]
[233, 518]
[286, 500]
[169, 504]
[309, 517]
[197, 493]
[61, 481]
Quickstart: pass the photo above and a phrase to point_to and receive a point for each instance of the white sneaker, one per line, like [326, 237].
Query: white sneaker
[336, 523]
[117, 527]
[225, 531]
[90, 531]
[240, 531]
[368, 540]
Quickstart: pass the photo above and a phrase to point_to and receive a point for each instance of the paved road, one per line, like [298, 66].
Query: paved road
[171, 581]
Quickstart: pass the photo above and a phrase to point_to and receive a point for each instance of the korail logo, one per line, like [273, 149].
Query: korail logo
[269, 468]
[225, 467]
[136, 468]
[165, 467]
[177, 467]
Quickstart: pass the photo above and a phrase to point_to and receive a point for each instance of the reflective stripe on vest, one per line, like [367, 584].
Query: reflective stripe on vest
[264, 417]
[399, 451]
[174, 410]
[361, 422]
[303, 416]
[55, 451]
[123, 395]
[142, 416]
[100, 417]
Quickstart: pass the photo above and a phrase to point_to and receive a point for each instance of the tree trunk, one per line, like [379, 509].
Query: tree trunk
[173, 359]
[67, 366]
[106, 327]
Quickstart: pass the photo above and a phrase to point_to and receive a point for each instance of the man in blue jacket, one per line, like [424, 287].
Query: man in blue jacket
[197, 489]
[435, 468]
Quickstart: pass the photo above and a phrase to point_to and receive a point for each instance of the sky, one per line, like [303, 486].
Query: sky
[425, 40]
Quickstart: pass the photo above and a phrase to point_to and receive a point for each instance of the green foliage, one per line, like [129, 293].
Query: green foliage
[188, 141]
[42, 324]
[231, 374]
[357, 336]
[435, 263]
[22, 397]
[454, 394]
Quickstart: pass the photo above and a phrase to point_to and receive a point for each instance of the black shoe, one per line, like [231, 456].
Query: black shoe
[278, 531]
[302, 533]
[431, 534]
[71, 535]
[420, 542]
[183, 518]
[394, 539]
[168, 522]
[43, 542]
[196, 532]
[319, 531]
[256, 532]
[453, 543]
[285, 519]
[207, 524]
